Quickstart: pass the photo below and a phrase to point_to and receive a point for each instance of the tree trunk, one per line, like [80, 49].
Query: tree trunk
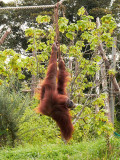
[33, 83]
[113, 66]
[104, 66]
[105, 90]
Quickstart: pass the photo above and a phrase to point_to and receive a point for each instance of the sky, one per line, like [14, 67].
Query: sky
[6, 1]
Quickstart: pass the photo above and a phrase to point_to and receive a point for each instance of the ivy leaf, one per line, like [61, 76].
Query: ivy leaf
[97, 58]
[81, 11]
[112, 72]
[72, 27]
[29, 32]
[43, 19]
[63, 48]
[62, 22]
[70, 35]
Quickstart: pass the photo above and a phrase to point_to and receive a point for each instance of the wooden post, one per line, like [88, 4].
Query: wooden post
[57, 37]
[113, 66]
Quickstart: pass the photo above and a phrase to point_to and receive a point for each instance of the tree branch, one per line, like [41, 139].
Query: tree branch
[5, 36]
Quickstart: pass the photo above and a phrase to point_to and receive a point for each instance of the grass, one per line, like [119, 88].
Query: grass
[91, 150]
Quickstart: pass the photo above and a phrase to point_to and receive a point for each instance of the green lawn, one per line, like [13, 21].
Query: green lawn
[91, 150]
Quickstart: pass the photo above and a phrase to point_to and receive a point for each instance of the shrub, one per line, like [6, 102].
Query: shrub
[12, 107]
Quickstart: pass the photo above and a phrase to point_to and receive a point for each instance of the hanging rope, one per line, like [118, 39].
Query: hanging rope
[57, 38]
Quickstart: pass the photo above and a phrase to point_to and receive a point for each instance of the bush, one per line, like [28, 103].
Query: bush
[38, 129]
[12, 107]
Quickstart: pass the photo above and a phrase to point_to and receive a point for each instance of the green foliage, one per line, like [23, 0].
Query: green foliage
[36, 37]
[38, 128]
[70, 35]
[43, 19]
[108, 22]
[34, 32]
[11, 64]
[81, 37]
[88, 29]
[100, 100]
[92, 125]
[12, 107]
[83, 32]
[90, 150]
[99, 12]
[81, 11]
[63, 48]
[63, 22]
[112, 72]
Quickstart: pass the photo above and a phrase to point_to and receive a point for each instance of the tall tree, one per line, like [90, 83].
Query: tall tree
[116, 10]
[95, 8]
[17, 20]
